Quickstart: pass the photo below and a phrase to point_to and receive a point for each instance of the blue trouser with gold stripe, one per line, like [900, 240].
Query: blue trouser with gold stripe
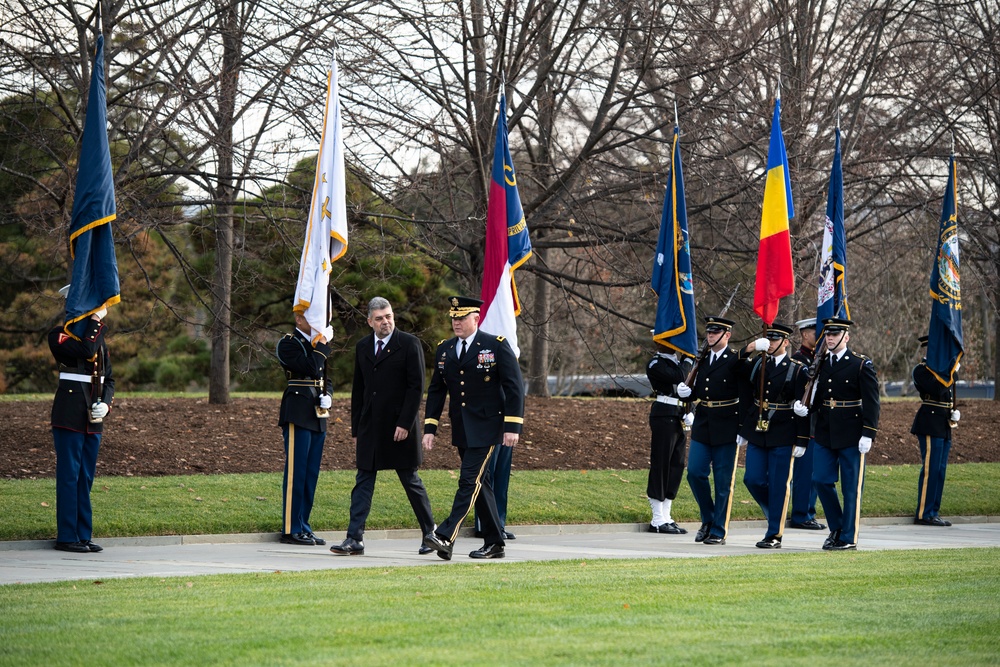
[76, 464]
[720, 460]
[930, 485]
[475, 488]
[766, 477]
[803, 489]
[298, 487]
[849, 463]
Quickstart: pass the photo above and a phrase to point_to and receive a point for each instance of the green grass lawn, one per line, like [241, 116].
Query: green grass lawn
[202, 504]
[862, 608]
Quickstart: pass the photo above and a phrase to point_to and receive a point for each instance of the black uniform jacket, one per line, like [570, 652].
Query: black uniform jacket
[664, 375]
[784, 383]
[71, 407]
[718, 383]
[386, 394]
[934, 416]
[485, 390]
[302, 363]
[805, 355]
[851, 380]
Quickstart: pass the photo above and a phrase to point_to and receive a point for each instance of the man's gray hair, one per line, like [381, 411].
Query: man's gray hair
[378, 303]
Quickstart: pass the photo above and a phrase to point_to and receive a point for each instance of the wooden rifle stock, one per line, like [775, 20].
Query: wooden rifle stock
[818, 356]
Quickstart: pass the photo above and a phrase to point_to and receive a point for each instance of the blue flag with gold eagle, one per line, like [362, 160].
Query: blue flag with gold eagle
[944, 338]
[95, 269]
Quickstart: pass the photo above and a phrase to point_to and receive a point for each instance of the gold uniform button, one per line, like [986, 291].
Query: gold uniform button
[462, 383]
[463, 405]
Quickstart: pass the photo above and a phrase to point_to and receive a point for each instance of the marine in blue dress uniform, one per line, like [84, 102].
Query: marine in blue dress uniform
[302, 354]
[84, 397]
[667, 448]
[845, 404]
[803, 491]
[932, 425]
[717, 418]
[771, 430]
[478, 373]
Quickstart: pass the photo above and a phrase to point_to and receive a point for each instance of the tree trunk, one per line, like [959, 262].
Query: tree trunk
[538, 371]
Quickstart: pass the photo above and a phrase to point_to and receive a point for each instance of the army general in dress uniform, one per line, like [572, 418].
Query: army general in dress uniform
[478, 373]
[845, 403]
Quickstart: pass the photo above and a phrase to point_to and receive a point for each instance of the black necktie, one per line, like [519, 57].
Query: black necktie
[833, 358]
[461, 354]
[378, 349]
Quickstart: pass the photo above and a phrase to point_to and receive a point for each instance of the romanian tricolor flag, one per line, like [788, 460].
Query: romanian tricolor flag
[326, 230]
[95, 269]
[944, 338]
[775, 275]
[508, 245]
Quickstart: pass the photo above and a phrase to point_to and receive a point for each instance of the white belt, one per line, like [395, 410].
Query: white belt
[669, 400]
[78, 377]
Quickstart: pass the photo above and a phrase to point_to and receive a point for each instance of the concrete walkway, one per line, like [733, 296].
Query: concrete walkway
[192, 555]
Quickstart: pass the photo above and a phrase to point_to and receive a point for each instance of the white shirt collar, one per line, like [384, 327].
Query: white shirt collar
[385, 341]
[840, 355]
[778, 359]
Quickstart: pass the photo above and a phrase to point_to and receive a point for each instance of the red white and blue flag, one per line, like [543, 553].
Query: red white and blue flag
[508, 245]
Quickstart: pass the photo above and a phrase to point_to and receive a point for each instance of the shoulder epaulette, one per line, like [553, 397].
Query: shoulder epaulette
[443, 341]
[500, 339]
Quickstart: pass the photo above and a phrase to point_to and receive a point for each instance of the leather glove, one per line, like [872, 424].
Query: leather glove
[741, 441]
[761, 344]
[325, 401]
[683, 390]
[99, 410]
[955, 415]
[798, 451]
[689, 419]
[799, 409]
[864, 444]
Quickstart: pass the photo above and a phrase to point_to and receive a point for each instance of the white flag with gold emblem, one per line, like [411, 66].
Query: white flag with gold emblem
[326, 229]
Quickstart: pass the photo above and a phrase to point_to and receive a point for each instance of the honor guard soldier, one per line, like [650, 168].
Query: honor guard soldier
[717, 420]
[83, 399]
[478, 373]
[803, 491]
[304, 413]
[771, 430]
[932, 425]
[845, 402]
[667, 444]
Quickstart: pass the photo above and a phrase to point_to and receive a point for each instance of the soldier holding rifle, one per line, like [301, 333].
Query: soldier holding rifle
[803, 491]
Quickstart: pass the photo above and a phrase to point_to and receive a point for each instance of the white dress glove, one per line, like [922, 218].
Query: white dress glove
[798, 451]
[689, 419]
[799, 409]
[325, 401]
[741, 441]
[957, 366]
[99, 410]
[683, 390]
[955, 415]
[327, 333]
[864, 444]
[761, 344]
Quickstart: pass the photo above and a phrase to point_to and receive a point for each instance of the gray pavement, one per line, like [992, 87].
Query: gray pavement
[191, 555]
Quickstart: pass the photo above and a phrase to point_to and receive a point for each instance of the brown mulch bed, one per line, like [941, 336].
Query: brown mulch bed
[184, 436]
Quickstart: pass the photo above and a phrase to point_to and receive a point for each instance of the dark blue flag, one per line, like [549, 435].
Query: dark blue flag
[95, 270]
[832, 299]
[944, 338]
[675, 324]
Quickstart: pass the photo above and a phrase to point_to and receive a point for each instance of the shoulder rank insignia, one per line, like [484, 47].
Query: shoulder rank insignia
[500, 339]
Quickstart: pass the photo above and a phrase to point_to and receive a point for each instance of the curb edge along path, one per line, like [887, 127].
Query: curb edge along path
[33, 561]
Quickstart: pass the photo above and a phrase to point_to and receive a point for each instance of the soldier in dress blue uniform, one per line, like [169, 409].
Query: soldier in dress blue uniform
[83, 399]
[667, 448]
[803, 490]
[478, 373]
[717, 419]
[845, 404]
[771, 431]
[304, 413]
[932, 425]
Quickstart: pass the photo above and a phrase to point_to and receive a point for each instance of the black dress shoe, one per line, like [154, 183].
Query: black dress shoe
[769, 543]
[424, 550]
[319, 541]
[714, 539]
[932, 521]
[349, 547]
[73, 547]
[442, 546]
[703, 532]
[94, 548]
[301, 539]
[831, 538]
[488, 551]
[672, 528]
[811, 524]
[507, 535]
[839, 545]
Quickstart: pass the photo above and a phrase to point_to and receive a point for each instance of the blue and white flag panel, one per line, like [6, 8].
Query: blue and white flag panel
[675, 320]
[944, 338]
[832, 298]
